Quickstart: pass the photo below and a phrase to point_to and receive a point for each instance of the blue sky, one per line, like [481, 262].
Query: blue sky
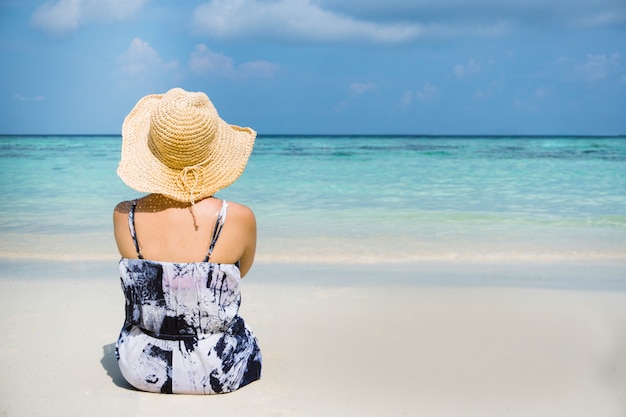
[320, 66]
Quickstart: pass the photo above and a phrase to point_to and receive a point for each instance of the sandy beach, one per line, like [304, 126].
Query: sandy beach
[448, 339]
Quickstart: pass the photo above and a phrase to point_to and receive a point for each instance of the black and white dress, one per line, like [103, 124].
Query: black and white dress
[182, 333]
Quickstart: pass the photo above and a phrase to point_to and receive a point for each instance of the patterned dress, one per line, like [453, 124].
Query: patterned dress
[182, 333]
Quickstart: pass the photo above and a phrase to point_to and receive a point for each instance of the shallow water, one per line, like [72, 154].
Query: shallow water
[347, 198]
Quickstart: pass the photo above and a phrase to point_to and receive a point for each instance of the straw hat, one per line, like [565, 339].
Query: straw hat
[176, 144]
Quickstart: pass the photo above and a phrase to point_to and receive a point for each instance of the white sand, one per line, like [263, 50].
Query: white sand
[460, 340]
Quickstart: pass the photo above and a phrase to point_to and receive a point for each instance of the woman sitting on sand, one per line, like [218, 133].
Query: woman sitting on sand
[183, 251]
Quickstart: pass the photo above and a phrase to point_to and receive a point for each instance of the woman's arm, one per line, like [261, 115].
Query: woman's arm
[247, 223]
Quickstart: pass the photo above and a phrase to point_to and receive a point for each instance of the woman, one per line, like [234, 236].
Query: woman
[183, 251]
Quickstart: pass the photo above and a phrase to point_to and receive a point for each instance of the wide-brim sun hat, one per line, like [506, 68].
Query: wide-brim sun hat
[176, 144]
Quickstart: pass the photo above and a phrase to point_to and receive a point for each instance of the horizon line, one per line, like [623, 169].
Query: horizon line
[367, 135]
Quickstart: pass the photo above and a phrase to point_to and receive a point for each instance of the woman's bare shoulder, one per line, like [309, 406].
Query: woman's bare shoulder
[239, 209]
[242, 213]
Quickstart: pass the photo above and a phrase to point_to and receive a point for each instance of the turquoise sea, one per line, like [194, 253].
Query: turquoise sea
[348, 199]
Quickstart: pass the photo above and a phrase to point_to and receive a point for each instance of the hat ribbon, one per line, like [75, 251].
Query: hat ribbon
[188, 178]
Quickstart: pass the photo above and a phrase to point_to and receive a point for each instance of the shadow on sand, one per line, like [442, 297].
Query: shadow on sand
[109, 363]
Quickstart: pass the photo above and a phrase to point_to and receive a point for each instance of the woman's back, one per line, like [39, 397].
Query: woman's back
[171, 231]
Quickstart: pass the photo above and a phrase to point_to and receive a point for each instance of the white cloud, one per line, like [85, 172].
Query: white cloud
[289, 20]
[601, 19]
[63, 16]
[395, 21]
[205, 61]
[141, 59]
[598, 67]
[406, 99]
[485, 13]
[533, 101]
[341, 106]
[323, 21]
[541, 93]
[472, 67]
[428, 92]
[362, 88]
[593, 68]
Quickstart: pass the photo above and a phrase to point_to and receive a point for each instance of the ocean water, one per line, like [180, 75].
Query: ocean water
[348, 199]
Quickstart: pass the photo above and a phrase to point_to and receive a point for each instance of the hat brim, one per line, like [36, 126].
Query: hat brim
[141, 170]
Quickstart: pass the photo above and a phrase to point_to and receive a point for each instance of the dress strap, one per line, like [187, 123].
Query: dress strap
[219, 223]
[131, 226]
